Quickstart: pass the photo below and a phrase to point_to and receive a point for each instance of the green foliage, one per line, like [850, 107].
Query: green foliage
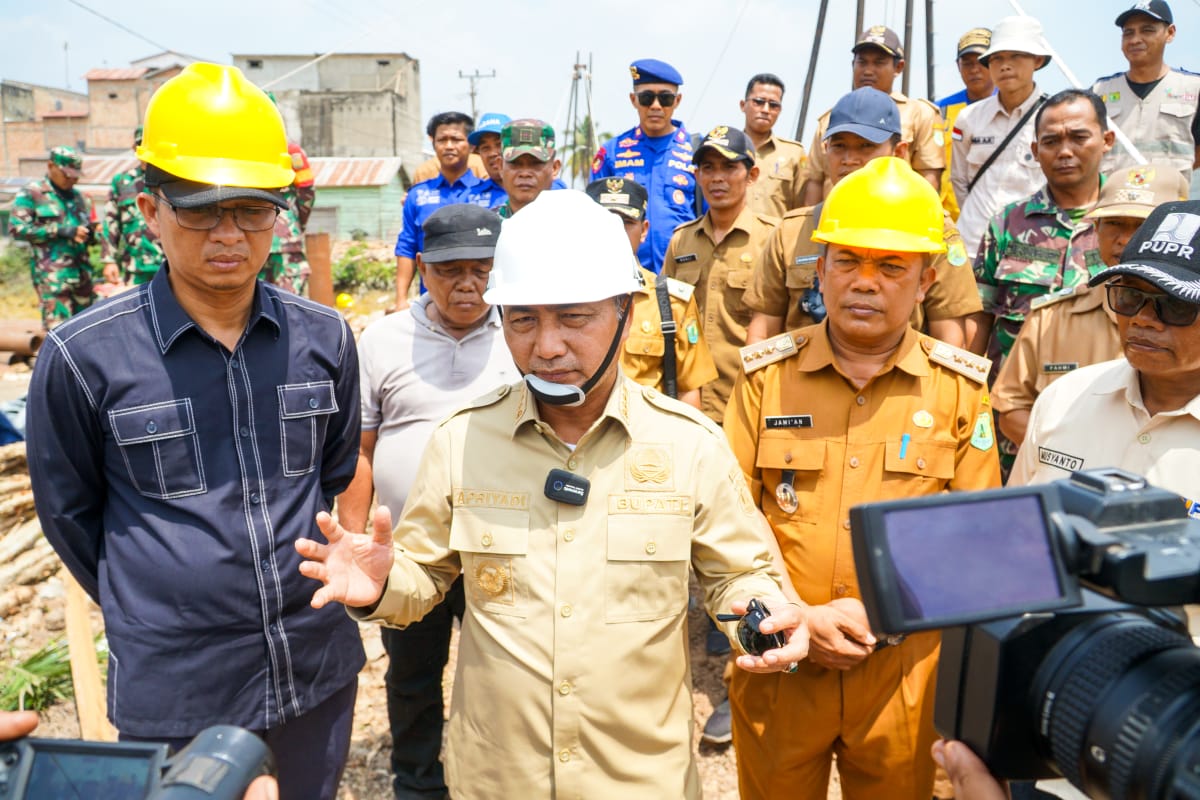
[44, 678]
[357, 270]
[15, 263]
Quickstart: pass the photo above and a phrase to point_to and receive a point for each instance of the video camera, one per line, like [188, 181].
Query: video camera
[1057, 656]
[219, 763]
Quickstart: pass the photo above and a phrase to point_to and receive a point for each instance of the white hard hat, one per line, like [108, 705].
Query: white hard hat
[562, 248]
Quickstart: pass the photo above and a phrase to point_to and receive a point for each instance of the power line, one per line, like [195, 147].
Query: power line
[113, 22]
[721, 55]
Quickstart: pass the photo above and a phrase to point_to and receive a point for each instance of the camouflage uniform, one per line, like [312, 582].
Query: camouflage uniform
[287, 265]
[47, 218]
[126, 240]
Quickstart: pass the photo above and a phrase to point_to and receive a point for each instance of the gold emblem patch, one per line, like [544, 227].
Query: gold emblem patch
[923, 419]
[491, 577]
[649, 465]
[615, 184]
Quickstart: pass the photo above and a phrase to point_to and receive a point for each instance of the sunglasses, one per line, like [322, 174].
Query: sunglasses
[665, 99]
[759, 102]
[1128, 301]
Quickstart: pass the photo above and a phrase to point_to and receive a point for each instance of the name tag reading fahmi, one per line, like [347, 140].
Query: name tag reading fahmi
[790, 421]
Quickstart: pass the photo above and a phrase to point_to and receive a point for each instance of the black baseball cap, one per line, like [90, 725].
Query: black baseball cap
[1156, 9]
[460, 231]
[728, 140]
[1165, 251]
[621, 195]
[191, 194]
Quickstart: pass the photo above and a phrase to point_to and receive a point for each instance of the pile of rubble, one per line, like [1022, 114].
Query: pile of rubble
[26, 558]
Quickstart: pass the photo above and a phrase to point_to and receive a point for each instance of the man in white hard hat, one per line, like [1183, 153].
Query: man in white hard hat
[573, 504]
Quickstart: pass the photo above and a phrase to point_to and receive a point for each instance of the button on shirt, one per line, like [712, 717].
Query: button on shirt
[978, 131]
[573, 678]
[414, 373]
[173, 477]
[1095, 417]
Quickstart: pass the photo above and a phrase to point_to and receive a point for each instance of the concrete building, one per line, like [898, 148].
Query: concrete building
[365, 105]
[117, 100]
[37, 118]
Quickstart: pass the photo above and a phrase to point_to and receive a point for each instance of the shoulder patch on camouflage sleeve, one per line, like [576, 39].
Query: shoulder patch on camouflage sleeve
[1057, 296]
[964, 362]
[680, 289]
[777, 348]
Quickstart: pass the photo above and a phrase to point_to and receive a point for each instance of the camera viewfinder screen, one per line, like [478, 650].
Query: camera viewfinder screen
[972, 558]
[108, 776]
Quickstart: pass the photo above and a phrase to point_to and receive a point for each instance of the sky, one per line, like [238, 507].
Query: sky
[531, 45]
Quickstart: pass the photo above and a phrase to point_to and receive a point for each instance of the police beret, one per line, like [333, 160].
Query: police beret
[651, 70]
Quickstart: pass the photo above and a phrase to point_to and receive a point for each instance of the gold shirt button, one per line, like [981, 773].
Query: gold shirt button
[846, 524]
[564, 756]
[564, 689]
[566, 610]
[645, 326]
[787, 458]
[572, 464]
[568, 535]
[840, 590]
[860, 400]
[920, 463]
[486, 540]
[854, 461]
[651, 548]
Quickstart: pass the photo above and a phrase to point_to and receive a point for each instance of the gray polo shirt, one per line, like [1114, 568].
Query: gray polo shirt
[414, 374]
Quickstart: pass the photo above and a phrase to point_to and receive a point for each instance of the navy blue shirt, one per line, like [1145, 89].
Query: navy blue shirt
[173, 477]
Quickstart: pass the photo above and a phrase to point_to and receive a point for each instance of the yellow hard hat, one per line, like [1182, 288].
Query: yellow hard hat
[209, 124]
[883, 206]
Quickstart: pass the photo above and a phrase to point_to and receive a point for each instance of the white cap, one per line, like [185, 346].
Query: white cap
[1018, 35]
[562, 248]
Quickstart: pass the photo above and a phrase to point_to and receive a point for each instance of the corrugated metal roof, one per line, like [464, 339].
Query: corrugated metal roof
[100, 170]
[121, 74]
[342, 172]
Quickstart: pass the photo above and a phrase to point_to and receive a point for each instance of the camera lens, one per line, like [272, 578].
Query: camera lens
[1118, 707]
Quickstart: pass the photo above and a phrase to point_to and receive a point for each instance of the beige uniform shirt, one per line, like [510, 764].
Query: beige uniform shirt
[780, 184]
[978, 131]
[920, 126]
[720, 273]
[1160, 126]
[1064, 331]
[642, 353]
[1095, 417]
[573, 678]
[787, 270]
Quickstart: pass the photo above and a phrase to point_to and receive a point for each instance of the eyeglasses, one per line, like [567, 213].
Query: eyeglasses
[1128, 301]
[759, 102]
[665, 99]
[205, 218]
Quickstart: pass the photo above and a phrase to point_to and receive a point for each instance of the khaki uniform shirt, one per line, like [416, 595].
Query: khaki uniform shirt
[642, 356]
[1066, 330]
[787, 269]
[1095, 417]
[978, 131]
[720, 273]
[798, 412]
[1160, 126]
[920, 126]
[573, 678]
[780, 184]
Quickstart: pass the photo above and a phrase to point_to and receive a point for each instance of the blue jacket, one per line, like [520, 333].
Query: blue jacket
[663, 165]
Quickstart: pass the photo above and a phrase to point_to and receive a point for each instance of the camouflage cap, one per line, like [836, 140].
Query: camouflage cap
[532, 136]
[730, 142]
[1136, 191]
[67, 159]
[620, 195]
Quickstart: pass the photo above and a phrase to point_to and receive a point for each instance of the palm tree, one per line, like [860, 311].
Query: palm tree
[577, 151]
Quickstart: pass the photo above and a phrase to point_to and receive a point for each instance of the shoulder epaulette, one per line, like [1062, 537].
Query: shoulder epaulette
[767, 219]
[680, 289]
[491, 398]
[1108, 77]
[929, 103]
[669, 404]
[1185, 71]
[777, 348]
[803, 211]
[788, 141]
[1056, 296]
[964, 362]
[689, 223]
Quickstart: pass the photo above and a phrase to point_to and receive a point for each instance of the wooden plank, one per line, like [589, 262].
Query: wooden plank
[85, 671]
[320, 279]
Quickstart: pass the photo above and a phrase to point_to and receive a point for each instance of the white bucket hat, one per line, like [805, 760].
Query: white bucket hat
[1018, 35]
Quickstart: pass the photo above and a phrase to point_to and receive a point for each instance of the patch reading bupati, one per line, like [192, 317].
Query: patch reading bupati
[1064, 461]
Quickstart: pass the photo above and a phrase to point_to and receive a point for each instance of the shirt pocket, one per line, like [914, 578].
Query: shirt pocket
[806, 459]
[160, 448]
[646, 575]
[736, 283]
[493, 544]
[304, 410]
[642, 345]
[1177, 110]
[927, 466]
[688, 271]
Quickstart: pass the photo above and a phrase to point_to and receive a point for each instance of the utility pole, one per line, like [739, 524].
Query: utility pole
[475, 78]
[580, 135]
[66, 68]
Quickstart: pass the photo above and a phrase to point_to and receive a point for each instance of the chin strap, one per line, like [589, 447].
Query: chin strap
[565, 394]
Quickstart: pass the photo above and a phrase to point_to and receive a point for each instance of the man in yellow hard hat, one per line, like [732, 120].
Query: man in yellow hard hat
[856, 409]
[183, 434]
[572, 504]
